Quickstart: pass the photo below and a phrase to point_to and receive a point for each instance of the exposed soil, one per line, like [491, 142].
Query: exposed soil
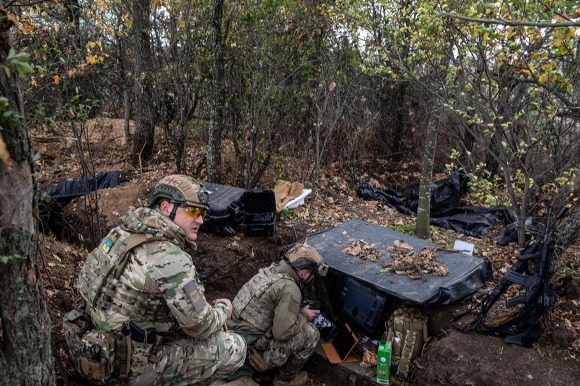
[452, 357]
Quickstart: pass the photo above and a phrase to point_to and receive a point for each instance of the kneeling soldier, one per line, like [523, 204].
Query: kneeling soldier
[273, 318]
[151, 322]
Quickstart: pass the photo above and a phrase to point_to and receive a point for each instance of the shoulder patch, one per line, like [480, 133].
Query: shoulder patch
[109, 241]
[195, 296]
[294, 305]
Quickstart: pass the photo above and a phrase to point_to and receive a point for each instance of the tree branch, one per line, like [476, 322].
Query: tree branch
[513, 23]
[17, 5]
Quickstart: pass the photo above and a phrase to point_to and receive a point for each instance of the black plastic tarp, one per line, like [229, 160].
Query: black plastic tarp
[473, 221]
[54, 198]
[445, 210]
[466, 273]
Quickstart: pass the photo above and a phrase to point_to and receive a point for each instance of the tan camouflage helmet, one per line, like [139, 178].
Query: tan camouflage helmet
[304, 256]
[180, 189]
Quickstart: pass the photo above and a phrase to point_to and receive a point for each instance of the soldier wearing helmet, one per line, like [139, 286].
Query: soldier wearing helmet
[274, 319]
[183, 200]
[141, 288]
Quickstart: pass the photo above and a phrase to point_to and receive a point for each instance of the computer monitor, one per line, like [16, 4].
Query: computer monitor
[362, 304]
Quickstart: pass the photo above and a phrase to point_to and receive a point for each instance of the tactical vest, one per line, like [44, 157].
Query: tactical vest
[101, 289]
[252, 311]
[408, 332]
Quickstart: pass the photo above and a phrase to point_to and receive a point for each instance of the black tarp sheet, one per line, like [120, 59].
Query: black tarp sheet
[466, 273]
[65, 191]
[446, 213]
[54, 198]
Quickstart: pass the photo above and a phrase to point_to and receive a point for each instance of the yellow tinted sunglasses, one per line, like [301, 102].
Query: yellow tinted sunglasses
[195, 212]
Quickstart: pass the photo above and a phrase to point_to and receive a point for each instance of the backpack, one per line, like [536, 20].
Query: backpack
[406, 328]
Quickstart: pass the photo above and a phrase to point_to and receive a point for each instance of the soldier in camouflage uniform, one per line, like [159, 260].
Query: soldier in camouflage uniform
[273, 318]
[141, 285]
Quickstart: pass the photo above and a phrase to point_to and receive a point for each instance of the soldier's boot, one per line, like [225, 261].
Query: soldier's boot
[296, 379]
[290, 375]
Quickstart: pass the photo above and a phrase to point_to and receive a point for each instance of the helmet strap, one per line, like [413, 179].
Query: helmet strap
[173, 212]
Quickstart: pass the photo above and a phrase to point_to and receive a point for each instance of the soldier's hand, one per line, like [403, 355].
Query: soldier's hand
[312, 314]
[228, 304]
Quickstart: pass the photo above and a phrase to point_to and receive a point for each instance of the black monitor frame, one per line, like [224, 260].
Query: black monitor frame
[362, 304]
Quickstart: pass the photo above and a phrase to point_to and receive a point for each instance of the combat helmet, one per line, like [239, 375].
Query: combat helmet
[304, 256]
[181, 190]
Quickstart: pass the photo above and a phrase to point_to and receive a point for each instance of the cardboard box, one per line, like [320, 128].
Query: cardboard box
[384, 362]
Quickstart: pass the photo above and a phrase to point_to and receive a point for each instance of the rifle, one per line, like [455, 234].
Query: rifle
[534, 271]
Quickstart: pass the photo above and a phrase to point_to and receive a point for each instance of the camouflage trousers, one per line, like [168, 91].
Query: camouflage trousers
[188, 361]
[294, 352]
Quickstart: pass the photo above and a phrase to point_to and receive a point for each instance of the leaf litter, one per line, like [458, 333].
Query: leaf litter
[405, 260]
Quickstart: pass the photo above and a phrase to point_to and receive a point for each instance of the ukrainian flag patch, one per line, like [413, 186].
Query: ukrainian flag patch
[110, 240]
[107, 245]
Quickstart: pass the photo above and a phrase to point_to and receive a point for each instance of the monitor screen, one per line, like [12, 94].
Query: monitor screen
[362, 304]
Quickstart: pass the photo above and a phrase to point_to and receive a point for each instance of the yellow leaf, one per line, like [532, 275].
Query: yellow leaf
[70, 73]
[543, 78]
[4, 154]
[56, 79]
[33, 81]
[91, 59]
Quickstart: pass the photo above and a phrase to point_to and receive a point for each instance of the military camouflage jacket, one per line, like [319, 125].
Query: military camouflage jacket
[269, 304]
[158, 286]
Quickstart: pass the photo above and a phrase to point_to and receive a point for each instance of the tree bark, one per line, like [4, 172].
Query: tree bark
[569, 228]
[400, 118]
[25, 342]
[127, 115]
[215, 129]
[144, 118]
[424, 207]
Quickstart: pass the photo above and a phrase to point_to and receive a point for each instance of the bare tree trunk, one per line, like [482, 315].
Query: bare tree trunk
[144, 117]
[26, 356]
[127, 114]
[400, 118]
[215, 129]
[424, 208]
[74, 21]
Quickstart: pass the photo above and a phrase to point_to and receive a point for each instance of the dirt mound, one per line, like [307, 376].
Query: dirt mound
[472, 359]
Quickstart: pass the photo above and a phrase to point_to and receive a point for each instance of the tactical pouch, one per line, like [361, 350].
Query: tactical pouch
[75, 324]
[97, 359]
[256, 360]
[140, 356]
